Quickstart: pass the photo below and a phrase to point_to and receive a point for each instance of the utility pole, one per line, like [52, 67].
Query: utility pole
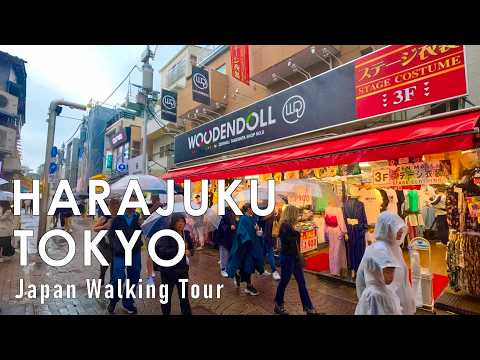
[54, 110]
[147, 88]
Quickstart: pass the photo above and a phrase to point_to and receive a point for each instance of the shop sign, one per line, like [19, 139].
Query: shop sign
[400, 77]
[421, 173]
[329, 171]
[240, 61]
[308, 241]
[119, 139]
[200, 85]
[394, 78]
[169, 106]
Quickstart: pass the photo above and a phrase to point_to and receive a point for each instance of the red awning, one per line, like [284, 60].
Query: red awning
[437, 135]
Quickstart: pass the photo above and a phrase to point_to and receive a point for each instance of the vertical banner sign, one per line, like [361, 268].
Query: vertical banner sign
[240, 60]
[404, 76]
[169, 106]
[200, 85]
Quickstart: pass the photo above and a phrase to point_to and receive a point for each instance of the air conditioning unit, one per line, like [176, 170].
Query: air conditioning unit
[8, 104]
[8, 140]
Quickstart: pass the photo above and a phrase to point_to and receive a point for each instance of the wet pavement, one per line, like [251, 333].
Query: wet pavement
[328, 297]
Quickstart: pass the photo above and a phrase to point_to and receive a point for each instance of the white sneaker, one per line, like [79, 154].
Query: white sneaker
[266, 273]
[219, 262]
[276, 275]
[224, 273]
[150, 280]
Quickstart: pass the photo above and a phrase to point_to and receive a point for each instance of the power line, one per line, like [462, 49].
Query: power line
[71, 137]
[69, 117]
[121, 83]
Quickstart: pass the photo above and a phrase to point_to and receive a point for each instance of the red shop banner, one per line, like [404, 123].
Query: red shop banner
[398, 77]
[240, 59]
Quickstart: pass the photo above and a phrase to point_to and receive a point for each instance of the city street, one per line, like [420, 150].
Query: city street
[329, 298]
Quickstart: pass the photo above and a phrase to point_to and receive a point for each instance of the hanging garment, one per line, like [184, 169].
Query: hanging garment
[357, 224]
[372, 200]
[442, 228]
[412, 201]
[428, 214]
[385, 200]
[335, 230]
[392, 201]
[400, 203]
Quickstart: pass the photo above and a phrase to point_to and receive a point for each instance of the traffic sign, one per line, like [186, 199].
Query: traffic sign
[122, 167]
[52, 169]
[54, 152]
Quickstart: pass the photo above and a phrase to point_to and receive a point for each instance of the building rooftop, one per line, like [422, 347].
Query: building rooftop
[12, 58]
[177, 54]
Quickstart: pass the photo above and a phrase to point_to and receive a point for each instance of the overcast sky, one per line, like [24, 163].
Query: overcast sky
[75, 73]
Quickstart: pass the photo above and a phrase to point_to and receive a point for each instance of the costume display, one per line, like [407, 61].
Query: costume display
[335, 230]
[463, 248]
[372, 200]
[357, 224]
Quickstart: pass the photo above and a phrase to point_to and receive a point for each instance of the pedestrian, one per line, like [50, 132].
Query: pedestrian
[390, 231]
[6, 231]
[199, 226]
[150, 272]
[105, 245]
[28, 206]
[56, 217]
[166, 248]
[379, 270]
[266, 224]
[128, 223]
[246, 255]
[291, 262]
[223, 237]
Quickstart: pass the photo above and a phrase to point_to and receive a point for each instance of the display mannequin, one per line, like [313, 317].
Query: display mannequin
[357, 224]
[335, 231]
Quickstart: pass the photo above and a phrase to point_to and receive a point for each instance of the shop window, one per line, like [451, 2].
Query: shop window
[222, 69]
[193, 60]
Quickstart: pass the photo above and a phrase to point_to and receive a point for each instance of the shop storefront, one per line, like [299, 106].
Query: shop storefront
[346, 179]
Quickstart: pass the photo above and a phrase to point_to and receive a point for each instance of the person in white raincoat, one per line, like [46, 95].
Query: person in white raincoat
[379, 270]
[390, 231]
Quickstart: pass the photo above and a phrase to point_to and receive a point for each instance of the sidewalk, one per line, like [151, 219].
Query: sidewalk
[327, 297]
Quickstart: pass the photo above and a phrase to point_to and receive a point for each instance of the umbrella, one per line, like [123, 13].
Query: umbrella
[244, 195]
[148, 183]
[211, 218]
[6, 196]
[3, 181]
[152, 221]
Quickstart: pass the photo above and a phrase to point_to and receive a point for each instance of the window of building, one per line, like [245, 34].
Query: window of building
[444, 107]
[222, 69]
[193, 60]
[366, 51]
[176, 72]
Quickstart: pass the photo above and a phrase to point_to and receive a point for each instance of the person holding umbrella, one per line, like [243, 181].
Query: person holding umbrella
[223, 237]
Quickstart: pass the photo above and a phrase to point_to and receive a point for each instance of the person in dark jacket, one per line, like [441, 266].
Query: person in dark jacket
[266, 224]
[105, 245]
[166, 248]
[246, 255]
[224, 238]
[128, 224]
[290, 262]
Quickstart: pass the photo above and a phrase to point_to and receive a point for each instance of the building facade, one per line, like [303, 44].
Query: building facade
[13, 78]
[274, 68]
[174, 77]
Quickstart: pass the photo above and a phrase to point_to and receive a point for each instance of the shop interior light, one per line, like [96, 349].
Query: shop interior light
[364, 165]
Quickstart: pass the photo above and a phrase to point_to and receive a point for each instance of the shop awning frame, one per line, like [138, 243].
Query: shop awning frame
[456, 130]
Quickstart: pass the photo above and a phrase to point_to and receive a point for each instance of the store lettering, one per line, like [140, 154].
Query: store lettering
[236, 127]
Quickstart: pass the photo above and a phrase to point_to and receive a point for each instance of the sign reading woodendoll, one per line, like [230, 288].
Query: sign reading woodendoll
[394, 78]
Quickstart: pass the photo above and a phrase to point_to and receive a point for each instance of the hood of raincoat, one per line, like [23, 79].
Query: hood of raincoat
[375, 297]
[387, 227]
[377, 259]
